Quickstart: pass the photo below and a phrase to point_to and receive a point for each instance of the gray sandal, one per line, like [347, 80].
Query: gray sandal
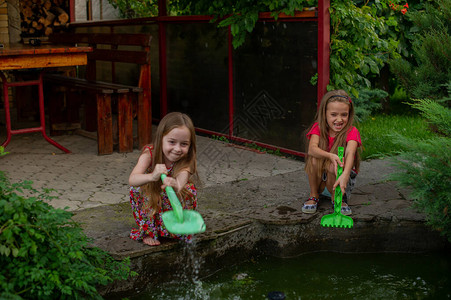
[345, 210]
[310, 208]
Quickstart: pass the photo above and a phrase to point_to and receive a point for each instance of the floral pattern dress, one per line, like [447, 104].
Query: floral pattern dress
[150, 223]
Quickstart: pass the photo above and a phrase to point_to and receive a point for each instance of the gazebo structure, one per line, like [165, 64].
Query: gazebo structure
[259, 93]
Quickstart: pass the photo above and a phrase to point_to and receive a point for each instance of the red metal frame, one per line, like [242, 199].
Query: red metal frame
[72, 10]
[231, 98]
[260, 144]
[323, 47]
[321, 15]
[41, 129]
[163, 58]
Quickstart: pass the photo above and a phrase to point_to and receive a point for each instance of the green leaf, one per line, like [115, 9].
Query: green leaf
[365, 69]
[234, 29]
[15, 252]
[4, 250]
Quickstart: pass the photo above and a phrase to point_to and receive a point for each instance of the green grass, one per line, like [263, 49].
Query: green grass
[375, 132]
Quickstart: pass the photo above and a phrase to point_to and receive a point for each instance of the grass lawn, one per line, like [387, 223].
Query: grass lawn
[375, 132]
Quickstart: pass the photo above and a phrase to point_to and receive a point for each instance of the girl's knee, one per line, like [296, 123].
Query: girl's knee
[330, 177]
[330, 169]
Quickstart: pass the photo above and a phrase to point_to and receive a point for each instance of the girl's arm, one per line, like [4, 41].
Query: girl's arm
[351, 149]
[139, 177]
[178, 182]
[315, 151]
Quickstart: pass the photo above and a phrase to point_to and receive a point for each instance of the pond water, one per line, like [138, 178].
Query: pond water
[318, 276]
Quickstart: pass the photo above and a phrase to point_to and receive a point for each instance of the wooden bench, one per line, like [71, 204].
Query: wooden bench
[130, 99]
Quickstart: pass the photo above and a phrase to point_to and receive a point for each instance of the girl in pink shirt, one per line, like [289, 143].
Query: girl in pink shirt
[333, 127]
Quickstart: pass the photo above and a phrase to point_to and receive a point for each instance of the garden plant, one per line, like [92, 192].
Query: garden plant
[43, 253]
[424, 164]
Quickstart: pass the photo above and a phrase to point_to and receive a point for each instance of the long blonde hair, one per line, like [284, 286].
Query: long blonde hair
[340, 139]
[188, 162]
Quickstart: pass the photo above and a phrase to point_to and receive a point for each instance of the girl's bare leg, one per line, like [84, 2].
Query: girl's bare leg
[150, 241]
[315, 182]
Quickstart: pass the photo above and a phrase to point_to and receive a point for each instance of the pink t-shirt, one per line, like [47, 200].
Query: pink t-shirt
[353, 135]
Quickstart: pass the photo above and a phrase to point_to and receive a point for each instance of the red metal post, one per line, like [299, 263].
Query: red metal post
[41, 129]
[72, 11]
[7, 113]
[231, 106]
[323, 47]
[162, 12]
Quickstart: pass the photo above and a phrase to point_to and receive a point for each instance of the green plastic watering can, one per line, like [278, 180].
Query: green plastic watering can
[178, 220]
[337, 219]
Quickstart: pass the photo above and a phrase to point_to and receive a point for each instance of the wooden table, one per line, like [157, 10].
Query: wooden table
[19, 57]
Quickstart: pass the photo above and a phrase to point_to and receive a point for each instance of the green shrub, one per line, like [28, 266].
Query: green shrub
[425, 167]
[437, 115]
[368, 102]
[426, 73]
[43, 253]
[399, 102]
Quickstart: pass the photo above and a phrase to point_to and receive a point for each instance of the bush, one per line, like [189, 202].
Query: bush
[43, 253]
[368, 102]
[429, 70]
[425, 167]
[438, 116]
[398, 103]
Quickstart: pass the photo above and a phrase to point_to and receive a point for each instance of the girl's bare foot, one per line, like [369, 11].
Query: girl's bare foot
[150, 241]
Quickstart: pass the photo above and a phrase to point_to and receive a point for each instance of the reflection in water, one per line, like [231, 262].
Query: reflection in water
[317, 276]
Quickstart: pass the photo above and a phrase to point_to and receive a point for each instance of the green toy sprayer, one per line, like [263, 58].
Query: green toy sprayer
[178, 220]
[337, 219]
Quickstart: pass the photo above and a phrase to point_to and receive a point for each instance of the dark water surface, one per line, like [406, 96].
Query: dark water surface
[318, 276]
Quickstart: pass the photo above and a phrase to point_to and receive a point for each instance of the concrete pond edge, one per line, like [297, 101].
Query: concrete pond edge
[279, 231]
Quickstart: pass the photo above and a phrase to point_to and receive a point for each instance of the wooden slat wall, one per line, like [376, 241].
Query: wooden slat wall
[4, 32]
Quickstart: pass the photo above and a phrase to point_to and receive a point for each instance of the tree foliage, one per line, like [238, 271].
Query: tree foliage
[360, 45]
[428, 71]
[130, 9]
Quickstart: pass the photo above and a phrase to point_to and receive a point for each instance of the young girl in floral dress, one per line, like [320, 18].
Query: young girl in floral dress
[333, 128]
[174, 154]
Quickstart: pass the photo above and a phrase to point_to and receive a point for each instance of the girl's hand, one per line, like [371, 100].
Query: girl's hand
[176, 183]
[347, 165]
[158, 170]
[335, 161]
[342, 181]
[169, 181]
[139, 175]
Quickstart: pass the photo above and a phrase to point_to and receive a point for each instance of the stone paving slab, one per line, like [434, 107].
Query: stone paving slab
[83, 179]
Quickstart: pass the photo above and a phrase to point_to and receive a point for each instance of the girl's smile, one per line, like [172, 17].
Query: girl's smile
[337, 116]
[176, 144]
